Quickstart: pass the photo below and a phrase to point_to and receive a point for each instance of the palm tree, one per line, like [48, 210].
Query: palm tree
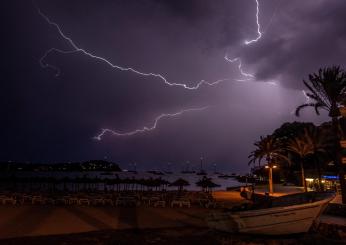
[323, 142]
[327, 90]
[270, 149]
[309, 143]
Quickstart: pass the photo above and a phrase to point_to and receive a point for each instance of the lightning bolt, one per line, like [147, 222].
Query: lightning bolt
[77, 49]
[247, 75]
[148, 129]
[307, 98]
[247, 42]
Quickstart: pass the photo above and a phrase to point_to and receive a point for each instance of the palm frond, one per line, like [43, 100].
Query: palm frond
[327, 89]
[299, 108]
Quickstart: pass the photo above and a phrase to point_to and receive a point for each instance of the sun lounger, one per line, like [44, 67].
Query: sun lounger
[82, 201]
[8, 200]
[37, 200]
[181, 203]
[50, 200]
[160, 203]
[60, 200]
[153, 200]
[73, 201]
[108, 201]
[126, 201]
[98, 201]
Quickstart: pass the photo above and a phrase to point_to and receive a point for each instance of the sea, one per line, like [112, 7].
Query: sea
[192, 178]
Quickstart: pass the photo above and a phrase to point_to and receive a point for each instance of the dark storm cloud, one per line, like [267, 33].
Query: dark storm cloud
[304, 36]
[52, 118]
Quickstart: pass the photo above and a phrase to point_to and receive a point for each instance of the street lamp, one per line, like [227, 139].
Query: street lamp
[271, 167]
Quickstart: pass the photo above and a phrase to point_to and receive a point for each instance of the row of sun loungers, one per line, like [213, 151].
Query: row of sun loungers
[130, 200]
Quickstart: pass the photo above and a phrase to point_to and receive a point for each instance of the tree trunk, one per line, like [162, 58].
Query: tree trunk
[271, 188]
[303, 175]
[337, 160]
[320, 186]
[270, 165]
[319, 174]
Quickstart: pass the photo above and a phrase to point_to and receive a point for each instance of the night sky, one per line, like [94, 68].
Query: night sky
[50, 118]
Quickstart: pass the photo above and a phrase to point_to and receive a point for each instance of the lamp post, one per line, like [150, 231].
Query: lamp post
[271, 166]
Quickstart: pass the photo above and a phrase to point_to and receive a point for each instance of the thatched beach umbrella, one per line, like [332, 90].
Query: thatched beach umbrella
[66, 180]
[180, 183]
[207, 184]
[149, 183]
[164, 183]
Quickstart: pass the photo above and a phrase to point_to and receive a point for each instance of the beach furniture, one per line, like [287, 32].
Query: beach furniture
[160, 203]
[181, 202]
[214, 204]
[73, 200]
[203, 201]
[26, 199]
[145, 200]
[2, 197]
[126, 201]
[83, 201]
[98, 201]
[37, 200]
[153, 200]
[175, 202]
[50, 200]
[66, 200]
[185, 202]
[60, 200]
[108, 201]
[8, 200]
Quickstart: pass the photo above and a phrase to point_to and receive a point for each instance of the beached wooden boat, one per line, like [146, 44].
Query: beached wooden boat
[288, 214]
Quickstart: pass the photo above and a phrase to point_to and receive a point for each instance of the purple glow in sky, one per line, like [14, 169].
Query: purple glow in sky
[253, 53]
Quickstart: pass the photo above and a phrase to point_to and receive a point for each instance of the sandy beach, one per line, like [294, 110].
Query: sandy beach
[46, 223]
[33, 220]
[49, 220]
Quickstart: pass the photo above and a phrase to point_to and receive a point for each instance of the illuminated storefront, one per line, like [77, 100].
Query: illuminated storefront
[328, 182]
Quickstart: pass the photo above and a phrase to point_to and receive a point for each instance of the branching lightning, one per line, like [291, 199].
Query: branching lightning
[76, 49]
[247, 75]
[247, 42]
[147, 129]
[307, 101]
[307, 98]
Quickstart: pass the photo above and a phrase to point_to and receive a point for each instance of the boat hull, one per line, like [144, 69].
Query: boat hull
[271, 221]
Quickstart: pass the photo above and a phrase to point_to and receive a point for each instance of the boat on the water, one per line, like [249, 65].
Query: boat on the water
[155, 172]
[283, 215]
[225, 176]
[188, 172]
[202, 172]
